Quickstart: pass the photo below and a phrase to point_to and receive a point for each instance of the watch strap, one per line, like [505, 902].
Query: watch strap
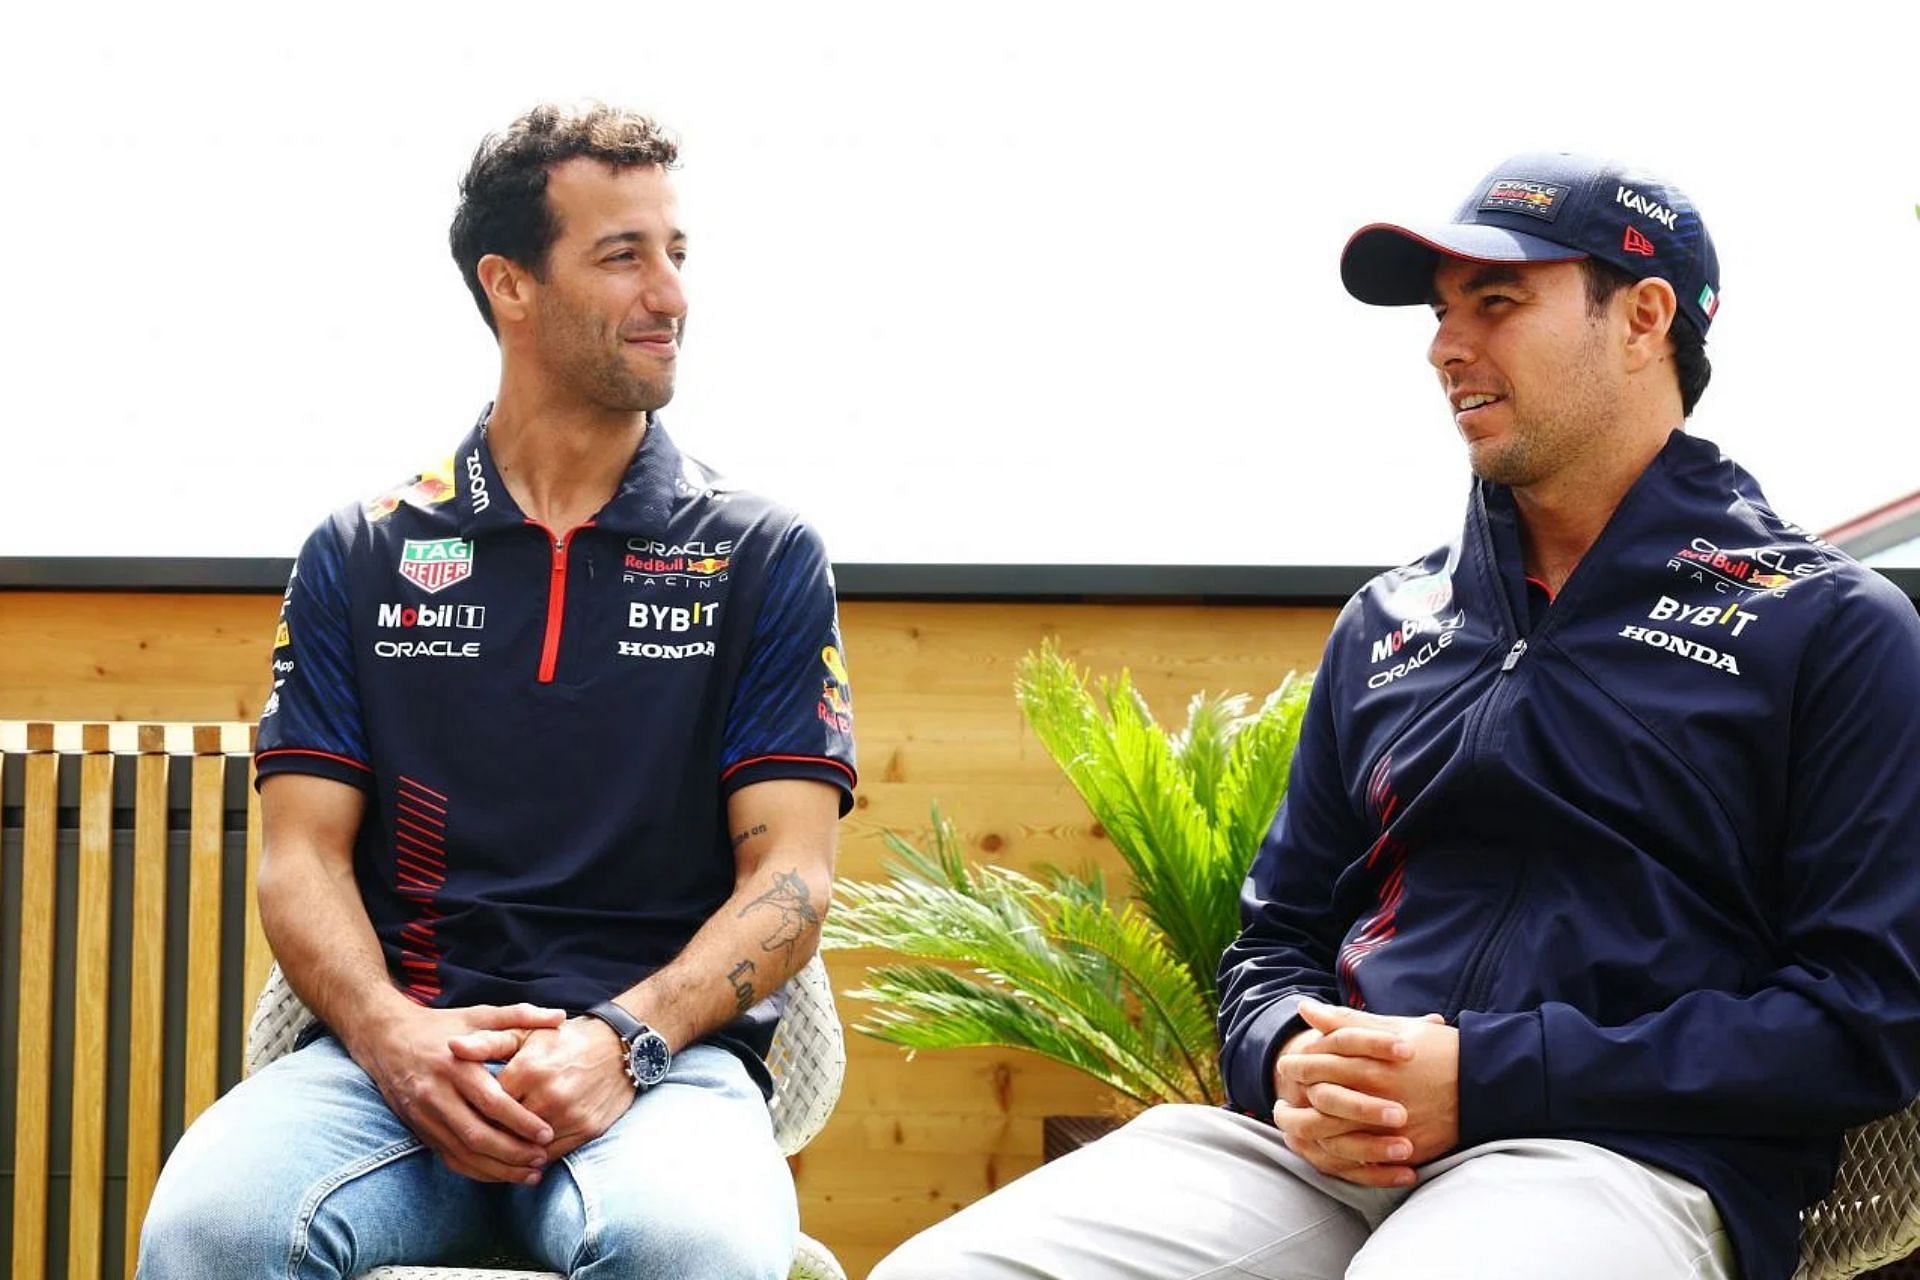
[624, 1024]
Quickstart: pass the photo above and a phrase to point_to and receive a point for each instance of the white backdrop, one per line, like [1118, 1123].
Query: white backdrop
[982, 283]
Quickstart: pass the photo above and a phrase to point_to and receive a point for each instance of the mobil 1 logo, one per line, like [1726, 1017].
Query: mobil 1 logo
[467, 617]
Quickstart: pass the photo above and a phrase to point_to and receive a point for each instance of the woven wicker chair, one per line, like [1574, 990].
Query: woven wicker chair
[1872, 1215]
[808, 1061]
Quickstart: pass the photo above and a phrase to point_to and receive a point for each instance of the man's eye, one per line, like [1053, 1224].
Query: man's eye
[625, 255]
[1491, 298]
[679, 257]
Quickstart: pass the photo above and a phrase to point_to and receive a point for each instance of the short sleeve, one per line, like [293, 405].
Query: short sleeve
[792, 710]
[311, 722]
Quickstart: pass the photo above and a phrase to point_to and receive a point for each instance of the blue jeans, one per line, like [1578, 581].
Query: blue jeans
[302, 1171]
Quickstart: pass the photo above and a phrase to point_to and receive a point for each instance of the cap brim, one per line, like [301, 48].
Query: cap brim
[1392, 266]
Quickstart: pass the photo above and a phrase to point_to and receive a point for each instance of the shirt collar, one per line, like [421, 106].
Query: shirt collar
[640, 505]
[1668, 491]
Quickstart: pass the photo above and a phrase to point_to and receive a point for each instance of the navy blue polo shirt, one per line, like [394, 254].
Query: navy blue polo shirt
[548, 724]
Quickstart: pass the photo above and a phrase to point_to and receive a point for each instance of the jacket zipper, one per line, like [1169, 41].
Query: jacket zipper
[556, 595]
[1480, 983]
[1480, 965]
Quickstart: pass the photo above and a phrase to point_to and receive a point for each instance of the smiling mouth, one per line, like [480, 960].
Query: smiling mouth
[656, 344]
[1468, 408]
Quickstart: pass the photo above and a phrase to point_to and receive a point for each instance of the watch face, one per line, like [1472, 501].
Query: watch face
[648, 1058]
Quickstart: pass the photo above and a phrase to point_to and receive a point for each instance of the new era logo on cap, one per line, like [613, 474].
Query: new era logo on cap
[1634, 242]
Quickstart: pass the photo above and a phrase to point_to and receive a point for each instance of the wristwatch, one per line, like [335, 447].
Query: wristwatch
[647, 1054]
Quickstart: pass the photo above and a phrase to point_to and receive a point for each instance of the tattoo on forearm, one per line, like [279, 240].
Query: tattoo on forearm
[742, 985]
[793, 902]
[741, 837]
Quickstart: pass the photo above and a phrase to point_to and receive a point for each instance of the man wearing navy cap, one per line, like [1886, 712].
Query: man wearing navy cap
[1591, 918]
[559, 735]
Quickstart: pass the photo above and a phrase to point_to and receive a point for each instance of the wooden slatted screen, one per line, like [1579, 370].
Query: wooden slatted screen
[33, 1060]
[147, 1001]
[203, 925]
[86, 1206]
[258, 957]
[128, 1017]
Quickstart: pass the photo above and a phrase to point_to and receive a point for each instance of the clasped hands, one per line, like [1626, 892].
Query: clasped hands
[562, 1085]
[1366, 1098]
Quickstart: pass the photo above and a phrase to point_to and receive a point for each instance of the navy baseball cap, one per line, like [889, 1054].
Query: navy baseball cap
[1548, 207]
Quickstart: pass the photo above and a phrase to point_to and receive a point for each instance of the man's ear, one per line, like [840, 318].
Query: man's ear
[508, 286]
[1651, 308]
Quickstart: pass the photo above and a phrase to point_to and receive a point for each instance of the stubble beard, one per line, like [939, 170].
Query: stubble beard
[593, 361]
[1545, 442]
[613, 384]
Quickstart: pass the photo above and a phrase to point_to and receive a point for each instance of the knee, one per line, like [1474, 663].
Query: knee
[197, 1230]
[913, 1260]
[750, 1250]
[952, 1247]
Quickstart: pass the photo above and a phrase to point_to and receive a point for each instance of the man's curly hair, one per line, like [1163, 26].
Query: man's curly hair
[503, 197]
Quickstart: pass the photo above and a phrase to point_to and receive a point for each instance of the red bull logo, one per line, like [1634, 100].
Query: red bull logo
[428, 489]
[1541, 195]
[1737, 569]
[1750, 568]
[836, 708]
[701, 567]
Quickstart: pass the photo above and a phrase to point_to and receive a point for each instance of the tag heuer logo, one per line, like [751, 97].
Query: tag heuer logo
[436, 564]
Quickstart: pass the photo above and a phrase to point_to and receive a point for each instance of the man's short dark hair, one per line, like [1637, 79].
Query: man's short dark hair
[1690, 363]
[503, 198]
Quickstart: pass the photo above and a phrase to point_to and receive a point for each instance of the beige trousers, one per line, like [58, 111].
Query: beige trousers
[1199, 1193]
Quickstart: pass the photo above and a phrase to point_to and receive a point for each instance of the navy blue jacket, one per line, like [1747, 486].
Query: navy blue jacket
[1655, 852]
[548, 728]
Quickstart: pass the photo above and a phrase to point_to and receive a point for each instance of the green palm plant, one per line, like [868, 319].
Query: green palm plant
[1050, 963]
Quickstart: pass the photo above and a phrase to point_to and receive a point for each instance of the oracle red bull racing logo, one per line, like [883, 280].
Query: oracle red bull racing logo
[698, 564]
[1524, 195]
[1747, 570]
[435, 564]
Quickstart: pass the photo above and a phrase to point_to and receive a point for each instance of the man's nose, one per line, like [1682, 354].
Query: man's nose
[1451, 344]
[664, 294]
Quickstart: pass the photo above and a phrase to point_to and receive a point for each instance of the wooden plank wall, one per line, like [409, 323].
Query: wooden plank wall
[911, 1140]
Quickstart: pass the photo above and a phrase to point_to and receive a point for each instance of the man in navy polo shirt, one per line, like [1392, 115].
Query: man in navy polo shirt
[550, 773]
[1592, 916]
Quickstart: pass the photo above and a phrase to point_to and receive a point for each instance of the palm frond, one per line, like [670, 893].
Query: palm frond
[1050, 964]
[1122, 763]
[1155, 822]
[1176, 1015]
[922, 1007]
[1000, 927]
[1202, 747]
[1257, 767]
